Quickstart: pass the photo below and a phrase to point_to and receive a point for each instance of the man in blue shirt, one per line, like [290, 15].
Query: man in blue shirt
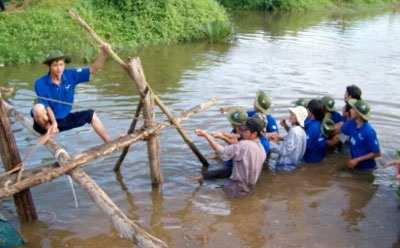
[364, 145]
[55, 92]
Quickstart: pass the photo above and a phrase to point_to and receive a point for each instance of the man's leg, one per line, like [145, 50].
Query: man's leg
[2, 6]
[40, 116]
[99, 128]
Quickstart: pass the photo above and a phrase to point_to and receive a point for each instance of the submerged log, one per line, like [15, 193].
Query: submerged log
[36, 176]
[157, 100]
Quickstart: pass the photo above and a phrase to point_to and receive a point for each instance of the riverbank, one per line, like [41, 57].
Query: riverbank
[28, 31]
[30, 28]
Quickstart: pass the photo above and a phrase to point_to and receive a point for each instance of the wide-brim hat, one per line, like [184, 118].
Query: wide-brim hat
[56, 55]
[361, 107]
[329, 103]
[301, 102]
[301, 114]
[262, 102]
[327, 127]
[237, 116]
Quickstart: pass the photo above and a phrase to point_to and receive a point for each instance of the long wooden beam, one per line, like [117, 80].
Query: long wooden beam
[127, 228]
[36, 176]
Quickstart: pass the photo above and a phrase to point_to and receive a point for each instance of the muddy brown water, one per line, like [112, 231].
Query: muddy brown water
[286, 55]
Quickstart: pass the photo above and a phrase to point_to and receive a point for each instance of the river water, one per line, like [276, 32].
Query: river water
[286, 55]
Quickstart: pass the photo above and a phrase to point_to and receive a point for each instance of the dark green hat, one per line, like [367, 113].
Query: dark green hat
[301, 102]
[262, 102]
[56, 55]
[237, 116]
[327, 127]
[361, 107]
[329, 103]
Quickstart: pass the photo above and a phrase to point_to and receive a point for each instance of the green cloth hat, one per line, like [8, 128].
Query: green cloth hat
[262, 102]
[301, 102]
[327, 126]
[329, 103]
[361, 107]
[237, 116]
[56, 55]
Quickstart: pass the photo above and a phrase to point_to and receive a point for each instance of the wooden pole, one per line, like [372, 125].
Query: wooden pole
[137, 73]
[186, 138]
[127, 228]
[131, 130]
[43, 174]
[23, 201]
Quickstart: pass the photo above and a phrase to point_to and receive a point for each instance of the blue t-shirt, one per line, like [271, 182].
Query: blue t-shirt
[271, 125]
[44, 87]
[316, 143]
[337, 117]
[362, 140]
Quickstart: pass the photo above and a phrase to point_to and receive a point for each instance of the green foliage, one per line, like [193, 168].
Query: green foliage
[41, 25]
[397, 153]
[217, 31]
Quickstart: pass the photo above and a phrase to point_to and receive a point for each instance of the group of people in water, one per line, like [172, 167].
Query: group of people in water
[312, 127]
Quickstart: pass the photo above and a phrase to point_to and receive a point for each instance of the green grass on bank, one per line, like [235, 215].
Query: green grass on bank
[29, 28]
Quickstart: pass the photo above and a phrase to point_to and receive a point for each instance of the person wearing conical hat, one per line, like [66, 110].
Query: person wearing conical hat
[291, 150]
[363, 141]
[55, 92]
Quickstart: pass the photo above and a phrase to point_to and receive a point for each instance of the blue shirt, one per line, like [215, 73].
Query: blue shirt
[44, 87]
[271, 125]
[362, 140]
[316, 143]
[337, 117]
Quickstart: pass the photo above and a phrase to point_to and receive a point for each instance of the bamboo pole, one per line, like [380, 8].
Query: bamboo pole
[23, 201]
[43, 174]
[157, 100]
[137, 73]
